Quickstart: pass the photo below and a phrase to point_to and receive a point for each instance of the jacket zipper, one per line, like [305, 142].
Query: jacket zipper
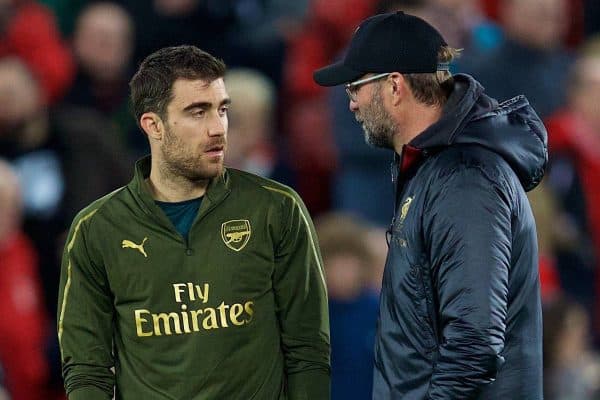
[186, 240]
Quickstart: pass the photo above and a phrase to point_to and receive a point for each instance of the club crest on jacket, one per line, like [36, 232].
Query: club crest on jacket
[236, 233]
[405, 207]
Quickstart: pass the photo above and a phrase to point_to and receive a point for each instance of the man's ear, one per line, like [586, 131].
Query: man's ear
[153, 125]
[398, 86]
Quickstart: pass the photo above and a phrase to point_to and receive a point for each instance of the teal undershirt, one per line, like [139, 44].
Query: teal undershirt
[181, 214]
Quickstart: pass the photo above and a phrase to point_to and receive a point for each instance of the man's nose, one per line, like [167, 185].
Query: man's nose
[353, 106]
[217, 126]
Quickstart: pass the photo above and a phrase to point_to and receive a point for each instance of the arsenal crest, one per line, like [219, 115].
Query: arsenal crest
[236, 233]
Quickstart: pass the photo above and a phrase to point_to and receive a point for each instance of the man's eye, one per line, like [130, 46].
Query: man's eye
[198, 113]
[223, 110]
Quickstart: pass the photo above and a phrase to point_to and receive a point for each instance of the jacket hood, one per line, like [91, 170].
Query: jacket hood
[511, 129]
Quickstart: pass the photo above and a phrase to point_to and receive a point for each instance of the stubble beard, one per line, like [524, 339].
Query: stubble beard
[179, 160]
[377, 124]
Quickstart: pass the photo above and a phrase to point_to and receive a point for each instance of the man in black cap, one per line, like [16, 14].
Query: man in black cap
[460, 314]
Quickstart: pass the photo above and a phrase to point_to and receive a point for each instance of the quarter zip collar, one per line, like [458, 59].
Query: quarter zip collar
[218, 189]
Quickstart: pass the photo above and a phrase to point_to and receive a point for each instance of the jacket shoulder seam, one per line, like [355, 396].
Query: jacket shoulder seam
[98, 205]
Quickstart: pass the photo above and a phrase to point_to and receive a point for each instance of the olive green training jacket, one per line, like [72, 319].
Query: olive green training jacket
[238, 310]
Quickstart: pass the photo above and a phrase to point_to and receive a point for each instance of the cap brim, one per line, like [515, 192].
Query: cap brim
[336, 74]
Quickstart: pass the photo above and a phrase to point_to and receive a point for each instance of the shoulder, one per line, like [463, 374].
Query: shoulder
[473, 161]
[97, 207]
[471, 174]
[260, 187]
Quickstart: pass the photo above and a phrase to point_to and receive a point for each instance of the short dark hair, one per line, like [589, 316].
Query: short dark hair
[151, 87]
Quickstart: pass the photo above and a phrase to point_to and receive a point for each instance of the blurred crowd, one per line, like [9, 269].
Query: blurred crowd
[67, 137]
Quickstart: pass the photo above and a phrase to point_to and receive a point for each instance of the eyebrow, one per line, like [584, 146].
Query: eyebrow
[205, 105]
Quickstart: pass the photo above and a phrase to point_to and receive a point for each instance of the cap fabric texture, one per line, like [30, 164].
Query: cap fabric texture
[392, 42]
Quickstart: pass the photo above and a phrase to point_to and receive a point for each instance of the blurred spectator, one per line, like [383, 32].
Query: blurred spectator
[3, 394]
[263, 28]
[322, 37]
[376, 238]
[571, 368]
[554, 231]
[308, 127]
[103, 44]
[262, 23]
[94, 160]
[532, 59]
[162, 23]
[64, 157]
[462, 22]
[26, 142]
[575, 15]
[353, 308]
[574, 175]
[66, 11]
[24, 324]
[28, 31]
[253, 145]
[249, 33]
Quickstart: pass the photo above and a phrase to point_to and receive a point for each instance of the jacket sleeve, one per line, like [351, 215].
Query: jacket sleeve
[301, 304]
[467, 223]
[85, 319]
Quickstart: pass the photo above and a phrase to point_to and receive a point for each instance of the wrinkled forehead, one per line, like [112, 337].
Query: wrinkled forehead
[188, 91]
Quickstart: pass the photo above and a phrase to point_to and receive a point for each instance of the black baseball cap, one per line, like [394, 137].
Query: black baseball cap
[392, 42]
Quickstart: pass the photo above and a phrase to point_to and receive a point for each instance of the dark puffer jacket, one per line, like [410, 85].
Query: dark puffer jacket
[460, 314]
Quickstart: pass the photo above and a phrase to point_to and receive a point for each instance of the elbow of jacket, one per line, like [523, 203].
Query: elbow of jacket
[488, 361]
[492, 365]
[476, 358]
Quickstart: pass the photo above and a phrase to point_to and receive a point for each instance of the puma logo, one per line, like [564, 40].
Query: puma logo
[139, 247]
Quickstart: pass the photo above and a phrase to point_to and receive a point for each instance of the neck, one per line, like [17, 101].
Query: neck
[413, 122]
[169, 187]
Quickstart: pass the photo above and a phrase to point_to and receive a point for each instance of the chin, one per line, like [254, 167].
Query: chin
[208, 172]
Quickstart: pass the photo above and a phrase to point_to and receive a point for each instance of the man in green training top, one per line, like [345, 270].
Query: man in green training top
[194, 281]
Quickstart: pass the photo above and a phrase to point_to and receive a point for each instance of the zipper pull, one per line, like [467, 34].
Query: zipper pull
[394, 171]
